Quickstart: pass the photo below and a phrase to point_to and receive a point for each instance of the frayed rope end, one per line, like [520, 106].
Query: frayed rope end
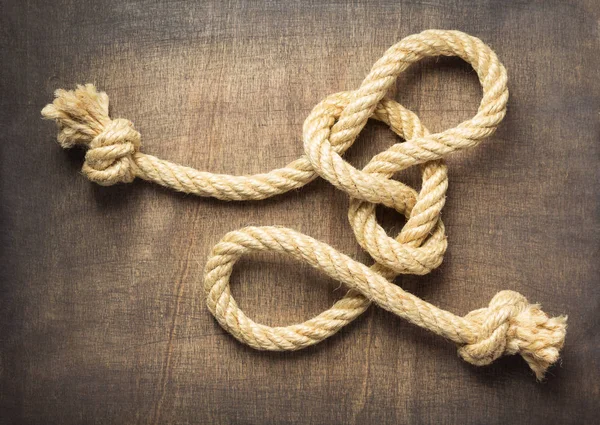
[80, 114]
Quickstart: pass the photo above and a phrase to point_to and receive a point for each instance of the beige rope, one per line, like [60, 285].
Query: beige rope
[509, 325]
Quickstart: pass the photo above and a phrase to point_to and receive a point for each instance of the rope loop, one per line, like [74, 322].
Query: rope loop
[509, 325]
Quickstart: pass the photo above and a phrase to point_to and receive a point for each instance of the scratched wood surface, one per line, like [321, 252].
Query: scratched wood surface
[102, 317]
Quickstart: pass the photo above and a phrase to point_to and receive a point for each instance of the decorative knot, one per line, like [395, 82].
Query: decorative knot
[510, 325]
[82, 118]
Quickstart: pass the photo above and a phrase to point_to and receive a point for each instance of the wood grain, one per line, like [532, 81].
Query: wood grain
[102, 317]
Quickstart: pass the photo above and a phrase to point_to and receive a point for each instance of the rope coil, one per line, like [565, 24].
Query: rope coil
[509, 325]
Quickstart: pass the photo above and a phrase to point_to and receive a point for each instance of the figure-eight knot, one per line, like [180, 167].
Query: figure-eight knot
[509, 325]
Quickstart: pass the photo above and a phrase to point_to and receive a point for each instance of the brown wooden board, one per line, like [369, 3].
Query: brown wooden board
[102, 316]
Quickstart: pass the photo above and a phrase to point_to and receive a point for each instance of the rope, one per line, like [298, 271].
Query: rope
[509, 325]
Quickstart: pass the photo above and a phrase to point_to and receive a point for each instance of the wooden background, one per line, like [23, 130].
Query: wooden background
[102, 317]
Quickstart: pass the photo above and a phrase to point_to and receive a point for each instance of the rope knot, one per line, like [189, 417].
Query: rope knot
[109, 158]
[82, 118]
[510, 325]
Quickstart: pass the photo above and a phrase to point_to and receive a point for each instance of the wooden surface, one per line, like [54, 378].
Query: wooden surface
[102, 317]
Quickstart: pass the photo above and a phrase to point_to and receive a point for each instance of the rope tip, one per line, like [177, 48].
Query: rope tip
[80, 114]
[541, 344]
[510, 325]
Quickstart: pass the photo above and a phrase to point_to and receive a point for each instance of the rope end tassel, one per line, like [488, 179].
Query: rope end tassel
[509, 325]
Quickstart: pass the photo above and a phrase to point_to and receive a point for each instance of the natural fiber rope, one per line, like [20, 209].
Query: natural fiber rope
[509, 325]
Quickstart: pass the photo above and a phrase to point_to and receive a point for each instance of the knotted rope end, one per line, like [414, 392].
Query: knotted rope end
[510, 325]
[82, 119]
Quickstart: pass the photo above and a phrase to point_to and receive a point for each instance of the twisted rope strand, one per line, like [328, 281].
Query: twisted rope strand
[509, 325]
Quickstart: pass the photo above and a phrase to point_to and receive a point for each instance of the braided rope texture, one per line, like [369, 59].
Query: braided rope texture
[509, 325]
